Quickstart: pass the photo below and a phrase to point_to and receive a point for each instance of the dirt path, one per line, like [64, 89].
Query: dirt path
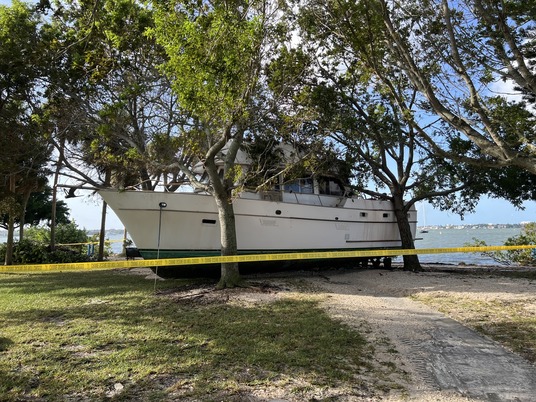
[445, 360]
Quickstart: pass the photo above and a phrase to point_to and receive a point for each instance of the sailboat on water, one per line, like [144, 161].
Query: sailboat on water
[424, 229]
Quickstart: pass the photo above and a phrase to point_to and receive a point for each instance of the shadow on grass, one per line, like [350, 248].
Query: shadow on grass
[5, 343]
[78, 334]
[521, 338]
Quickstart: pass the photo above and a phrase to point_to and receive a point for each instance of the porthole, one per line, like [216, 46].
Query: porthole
[363, 214]
[386, 215]
[278, 212]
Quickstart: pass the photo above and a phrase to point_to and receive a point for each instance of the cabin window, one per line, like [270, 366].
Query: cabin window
[278, 212]
[304, 186]
[386, 215]
[330, 187]
[363, 214]
[209, 221]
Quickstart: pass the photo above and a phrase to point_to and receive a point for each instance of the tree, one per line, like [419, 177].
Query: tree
[24, 149]
[456, 54]
[112, 107]
[388, 162]
[360, 102]
[215, 55]
[34, 248]
[384, 155]
[23, 171]
[39, 208]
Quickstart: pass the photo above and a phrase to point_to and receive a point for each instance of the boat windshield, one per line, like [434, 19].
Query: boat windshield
[304, 186]
[327, 186]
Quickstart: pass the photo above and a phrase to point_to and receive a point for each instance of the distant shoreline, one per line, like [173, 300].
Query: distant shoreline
[477, 226]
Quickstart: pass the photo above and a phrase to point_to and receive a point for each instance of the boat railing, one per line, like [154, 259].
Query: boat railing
[313, 199]
[293, 197]
[272, 195]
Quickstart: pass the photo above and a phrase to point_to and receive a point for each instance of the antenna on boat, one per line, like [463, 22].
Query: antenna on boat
[161, 205]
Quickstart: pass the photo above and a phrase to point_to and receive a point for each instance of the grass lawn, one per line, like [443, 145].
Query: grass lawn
[107, 336]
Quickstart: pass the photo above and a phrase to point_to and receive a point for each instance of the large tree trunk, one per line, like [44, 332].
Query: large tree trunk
[411, 262]
[222, 193]
[23, 214]
[10, 226]
[102, 233]
[55, 196]
[53, 213]
[230, 275]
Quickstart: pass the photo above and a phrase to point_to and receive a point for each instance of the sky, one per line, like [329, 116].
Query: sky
[86, 212]
[487, 211]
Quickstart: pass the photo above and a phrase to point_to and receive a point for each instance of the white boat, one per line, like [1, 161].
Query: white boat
[300, 216]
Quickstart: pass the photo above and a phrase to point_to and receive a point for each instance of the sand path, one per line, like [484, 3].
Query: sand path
[445, 360]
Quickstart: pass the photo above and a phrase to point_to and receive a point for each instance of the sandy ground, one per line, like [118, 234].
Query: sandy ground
[437, 358]
[445, 360]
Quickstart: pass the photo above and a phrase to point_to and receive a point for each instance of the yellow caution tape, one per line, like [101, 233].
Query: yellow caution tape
[77, 266]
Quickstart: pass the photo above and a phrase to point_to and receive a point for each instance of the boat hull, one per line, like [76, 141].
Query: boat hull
[188, 225]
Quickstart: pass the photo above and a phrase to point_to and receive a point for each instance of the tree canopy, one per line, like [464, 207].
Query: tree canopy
[460, 56]
[216, 50]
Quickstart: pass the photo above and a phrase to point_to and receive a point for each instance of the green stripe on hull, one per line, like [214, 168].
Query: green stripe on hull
[213, 270]
[149, 254]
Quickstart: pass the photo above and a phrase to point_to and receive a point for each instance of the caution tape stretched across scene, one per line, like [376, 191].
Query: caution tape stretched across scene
[103, 265]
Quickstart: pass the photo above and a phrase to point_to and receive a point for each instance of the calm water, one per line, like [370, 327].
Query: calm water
[441, 237]
[435, 238]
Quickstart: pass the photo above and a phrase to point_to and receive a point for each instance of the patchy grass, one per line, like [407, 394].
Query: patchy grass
[509, 321]
[106, 335]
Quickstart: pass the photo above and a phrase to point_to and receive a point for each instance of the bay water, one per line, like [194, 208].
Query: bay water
[443, 237]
